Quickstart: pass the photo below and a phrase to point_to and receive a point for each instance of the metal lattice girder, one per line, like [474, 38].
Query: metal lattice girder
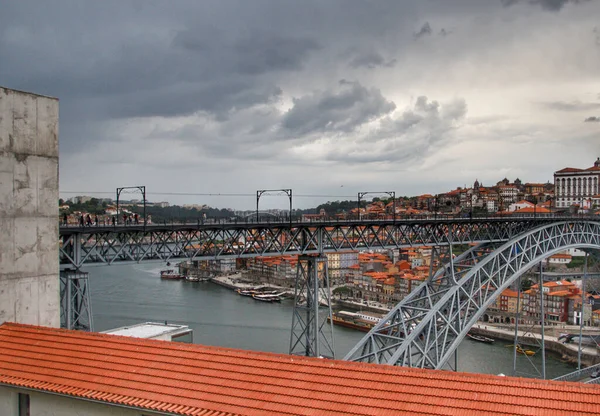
[75, 304]
[107, 245]
[312, 325]
[425, 328]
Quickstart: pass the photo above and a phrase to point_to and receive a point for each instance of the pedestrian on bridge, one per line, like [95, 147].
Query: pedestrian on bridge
[65, 219]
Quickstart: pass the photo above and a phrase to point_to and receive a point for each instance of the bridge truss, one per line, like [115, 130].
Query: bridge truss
[109, 245]
[427, 326]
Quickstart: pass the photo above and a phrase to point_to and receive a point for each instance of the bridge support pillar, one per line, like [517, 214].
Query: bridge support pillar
[75, 304]
[312, 324]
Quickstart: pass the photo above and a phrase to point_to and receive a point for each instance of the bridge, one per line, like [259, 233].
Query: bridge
[201, 241]
[424, 329]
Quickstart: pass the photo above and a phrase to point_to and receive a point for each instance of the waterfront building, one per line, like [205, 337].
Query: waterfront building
[504, 308]
[556, 297]
[339, 263]
[574, 312]
[405, 283]
[573, 186]
[276, 270]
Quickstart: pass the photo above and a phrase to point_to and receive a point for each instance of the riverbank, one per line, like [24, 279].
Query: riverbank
[568, 352]
[235, 282]
[364, 306]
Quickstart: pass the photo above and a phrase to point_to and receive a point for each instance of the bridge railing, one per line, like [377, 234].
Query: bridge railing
[579, 374]
[329, 219]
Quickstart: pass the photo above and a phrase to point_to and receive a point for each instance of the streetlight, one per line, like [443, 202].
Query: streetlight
[390, 193]
[141, 189]
[261, 192]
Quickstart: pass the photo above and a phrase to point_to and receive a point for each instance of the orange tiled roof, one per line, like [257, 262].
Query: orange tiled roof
[561, 256]
[184, 379]
[560, 293]
[569, 170]
[531, 210]
[510, 293]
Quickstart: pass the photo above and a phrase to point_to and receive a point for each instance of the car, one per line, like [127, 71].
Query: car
[595, 374]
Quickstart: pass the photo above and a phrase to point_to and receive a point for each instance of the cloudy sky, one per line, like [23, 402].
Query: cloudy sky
[325, 97]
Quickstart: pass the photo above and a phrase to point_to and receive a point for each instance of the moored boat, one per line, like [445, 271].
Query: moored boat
[170, 274]
[525, 352]
[256, 291]
[267, 298]
[480, 338]
[361, 321]
[521, 350]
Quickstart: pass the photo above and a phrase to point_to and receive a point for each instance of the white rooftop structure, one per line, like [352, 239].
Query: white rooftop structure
[153, 330]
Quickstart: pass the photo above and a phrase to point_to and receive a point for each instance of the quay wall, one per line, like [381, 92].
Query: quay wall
[29, 282]
[565, 350]
[356, 305]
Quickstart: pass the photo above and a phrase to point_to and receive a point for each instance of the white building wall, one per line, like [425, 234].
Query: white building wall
[44, 404]
[29, 284]
[8, 401]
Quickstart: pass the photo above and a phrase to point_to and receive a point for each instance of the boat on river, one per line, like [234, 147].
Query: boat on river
[480, 338]
[170, 274]
[274, 297]
[521, 350]
[196, 279]
[257, 291]
[529, 353]
[361, 321]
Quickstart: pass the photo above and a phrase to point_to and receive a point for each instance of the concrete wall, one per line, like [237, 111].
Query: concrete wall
[43, 404]
[29, 284]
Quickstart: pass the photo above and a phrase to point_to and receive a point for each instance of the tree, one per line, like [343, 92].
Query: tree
[526, 284]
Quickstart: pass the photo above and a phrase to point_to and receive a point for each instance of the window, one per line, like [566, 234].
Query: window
[23, 404]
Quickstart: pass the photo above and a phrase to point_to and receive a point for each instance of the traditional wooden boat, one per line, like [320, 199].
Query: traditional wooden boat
[480, 338]
[361, 321]
[525, 352]
[267, 298]
[170, 274]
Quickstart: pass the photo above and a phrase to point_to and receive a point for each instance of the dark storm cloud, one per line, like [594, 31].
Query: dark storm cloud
[592, 119]
[571, 106]
[261, 53]
[343, 110]
[424, 31]
[180, 100]
[125, 59]
[549, 5]
[371, 60]
[411, 135]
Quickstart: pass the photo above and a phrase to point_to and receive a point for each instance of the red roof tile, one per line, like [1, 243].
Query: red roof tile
[569, 170]
[184, 379]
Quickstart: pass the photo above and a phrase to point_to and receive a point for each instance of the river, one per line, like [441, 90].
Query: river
[129, 294]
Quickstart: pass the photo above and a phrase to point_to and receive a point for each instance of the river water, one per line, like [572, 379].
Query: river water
[129, 294]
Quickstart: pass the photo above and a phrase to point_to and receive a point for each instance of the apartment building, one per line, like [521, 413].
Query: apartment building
[573, 186]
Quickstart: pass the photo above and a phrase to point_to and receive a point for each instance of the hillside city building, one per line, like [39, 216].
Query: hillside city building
[573, 186]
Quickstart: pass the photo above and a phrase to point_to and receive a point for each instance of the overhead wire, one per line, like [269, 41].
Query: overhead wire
[210, 194]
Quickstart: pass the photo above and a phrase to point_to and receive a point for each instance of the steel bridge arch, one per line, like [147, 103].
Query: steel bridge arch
[427, 326]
